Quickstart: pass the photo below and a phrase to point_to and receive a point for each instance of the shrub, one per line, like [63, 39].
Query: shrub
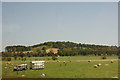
[19, 58]
[3, 58]
[54, 58]
[104, 57]
[25, 59]
[36, 59]
[48, 58]
[22, 59]
[9, 59]
[15, 57]
[118, 57]
[89, 60]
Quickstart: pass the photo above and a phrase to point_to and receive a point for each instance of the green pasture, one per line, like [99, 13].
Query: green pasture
[74, 69]
[66, 58]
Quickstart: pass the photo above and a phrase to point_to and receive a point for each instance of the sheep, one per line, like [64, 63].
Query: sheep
[70, 61]
[89, 61]
[42, 75]
[8, 62]
[23, 75]
[5, 67]
[99, 64]
[111, 61]
[64, 62]
[95, 66]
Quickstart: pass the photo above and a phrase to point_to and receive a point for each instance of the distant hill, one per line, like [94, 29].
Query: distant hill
[58, 45]
[64, 49]
[61, 49]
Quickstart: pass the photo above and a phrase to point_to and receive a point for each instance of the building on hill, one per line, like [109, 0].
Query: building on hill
[53, 50]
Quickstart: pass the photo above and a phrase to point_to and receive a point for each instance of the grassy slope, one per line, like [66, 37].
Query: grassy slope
[39, 48]
[72, 69]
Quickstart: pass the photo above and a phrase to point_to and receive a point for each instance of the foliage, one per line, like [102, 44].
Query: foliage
[65, 49]
[54, 57]
[104, 57]
[118, 57]
[48, 59]
[15, 57]
[8, 58]
[25, 59]
[17, 48]
[3, 58]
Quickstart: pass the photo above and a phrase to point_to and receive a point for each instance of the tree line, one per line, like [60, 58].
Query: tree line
[65, 49]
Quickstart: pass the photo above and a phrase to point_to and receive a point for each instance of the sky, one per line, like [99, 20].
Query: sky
[30, 23]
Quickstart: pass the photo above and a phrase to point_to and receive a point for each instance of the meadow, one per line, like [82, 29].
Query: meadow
[75, 67]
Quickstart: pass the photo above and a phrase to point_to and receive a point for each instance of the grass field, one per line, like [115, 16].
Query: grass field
[79, 67]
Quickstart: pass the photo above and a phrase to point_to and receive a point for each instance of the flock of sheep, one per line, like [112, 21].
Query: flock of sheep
[43, 75]
[97, 65]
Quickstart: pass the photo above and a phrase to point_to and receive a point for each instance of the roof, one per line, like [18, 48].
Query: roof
[53, 50]
[22, 65]
[37, 61]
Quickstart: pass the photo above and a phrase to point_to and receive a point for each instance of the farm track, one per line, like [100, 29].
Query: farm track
[73, 60]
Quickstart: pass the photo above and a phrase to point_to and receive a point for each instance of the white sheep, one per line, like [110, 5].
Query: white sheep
[64, 62]
[23, 75]
[111, 61]
[5, 67]
[95, 66]
[99, 64]
[42, 75]
[8, 62]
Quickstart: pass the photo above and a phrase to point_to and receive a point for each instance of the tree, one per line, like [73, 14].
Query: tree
[15, 56]
[8, 58]
[21, 55]
[44, 48]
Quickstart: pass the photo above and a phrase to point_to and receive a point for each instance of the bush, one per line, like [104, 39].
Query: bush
[3, 58]
[9, 59]
[118, 57]
[104, 57]
[54, 58]
[36, 59]
[48, 58]
[19, 58]
[25, 59]
[15, 57]
[22, 59]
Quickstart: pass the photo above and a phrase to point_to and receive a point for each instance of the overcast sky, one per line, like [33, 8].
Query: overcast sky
[83, 22]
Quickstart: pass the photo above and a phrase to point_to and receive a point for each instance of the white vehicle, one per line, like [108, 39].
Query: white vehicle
[20, 67]
[37, 64]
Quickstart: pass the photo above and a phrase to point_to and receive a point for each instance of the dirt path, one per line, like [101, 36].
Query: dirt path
[68, 61]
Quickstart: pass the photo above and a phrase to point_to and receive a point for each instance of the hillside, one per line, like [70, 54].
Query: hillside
[65, 49]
